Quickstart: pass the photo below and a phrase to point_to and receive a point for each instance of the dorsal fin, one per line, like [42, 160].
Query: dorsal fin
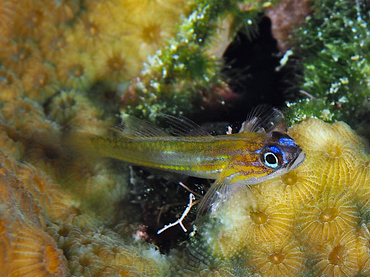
[184, 127]
[137, 128]
[264, 119]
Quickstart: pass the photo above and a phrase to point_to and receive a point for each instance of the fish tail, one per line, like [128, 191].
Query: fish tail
[80, 144]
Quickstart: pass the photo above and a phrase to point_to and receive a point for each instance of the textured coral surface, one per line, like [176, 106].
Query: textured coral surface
[312, 221]
[65, 65]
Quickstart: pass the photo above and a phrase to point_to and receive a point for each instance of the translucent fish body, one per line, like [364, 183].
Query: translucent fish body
[232, 160]
[236, 158]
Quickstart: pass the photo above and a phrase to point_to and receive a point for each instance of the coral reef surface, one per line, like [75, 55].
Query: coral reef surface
[312, 221]
[66, 65]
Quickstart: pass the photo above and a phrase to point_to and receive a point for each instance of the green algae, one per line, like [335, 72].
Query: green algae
[333, 47]
[175, 77]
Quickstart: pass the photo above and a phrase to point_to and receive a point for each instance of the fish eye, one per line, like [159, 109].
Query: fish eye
[270, 160]
[271, 157]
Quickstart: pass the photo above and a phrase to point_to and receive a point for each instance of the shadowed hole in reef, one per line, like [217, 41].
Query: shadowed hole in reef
[154, 202]
[250, 71]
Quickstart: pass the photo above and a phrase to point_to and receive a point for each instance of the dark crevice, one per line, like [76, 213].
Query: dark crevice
[251, 73]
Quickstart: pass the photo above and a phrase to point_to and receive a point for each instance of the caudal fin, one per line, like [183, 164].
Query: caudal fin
[80, 145]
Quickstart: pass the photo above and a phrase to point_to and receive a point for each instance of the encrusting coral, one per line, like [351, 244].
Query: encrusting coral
[62, 215]
[48, 45]
[312, 221]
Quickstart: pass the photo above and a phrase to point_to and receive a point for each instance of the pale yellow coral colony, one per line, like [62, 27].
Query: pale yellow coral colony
[313, 221]
[49, 45]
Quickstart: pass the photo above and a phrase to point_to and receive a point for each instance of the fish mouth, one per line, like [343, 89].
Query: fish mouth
[298, 161]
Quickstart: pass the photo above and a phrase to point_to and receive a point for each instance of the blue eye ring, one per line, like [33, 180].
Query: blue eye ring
[271, 158]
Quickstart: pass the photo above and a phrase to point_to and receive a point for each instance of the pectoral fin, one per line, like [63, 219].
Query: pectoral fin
[214, 198]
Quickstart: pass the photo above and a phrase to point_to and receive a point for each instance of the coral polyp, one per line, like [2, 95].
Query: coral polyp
[339, 257]
[67, 105]
[119, 271]
[363, 243]
[117, 61]
[252, 224]
[39, 82]
[10, 85]
[323, 219]
[64, 11]
[151, 33]
[334, 153]
[32, 253]
[298, 186]
[54, 39]
[77, 72]
[86, 265]
[19, 54]
[28, 111]
[280, 259]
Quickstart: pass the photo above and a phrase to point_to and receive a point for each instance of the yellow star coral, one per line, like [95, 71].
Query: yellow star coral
[279, 259]
[330, 214]
[314, 220]
[51, 45]
[339, 257]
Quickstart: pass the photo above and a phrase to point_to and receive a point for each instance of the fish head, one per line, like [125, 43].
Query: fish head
[281, 151]
[274, 155]
[281, 154]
